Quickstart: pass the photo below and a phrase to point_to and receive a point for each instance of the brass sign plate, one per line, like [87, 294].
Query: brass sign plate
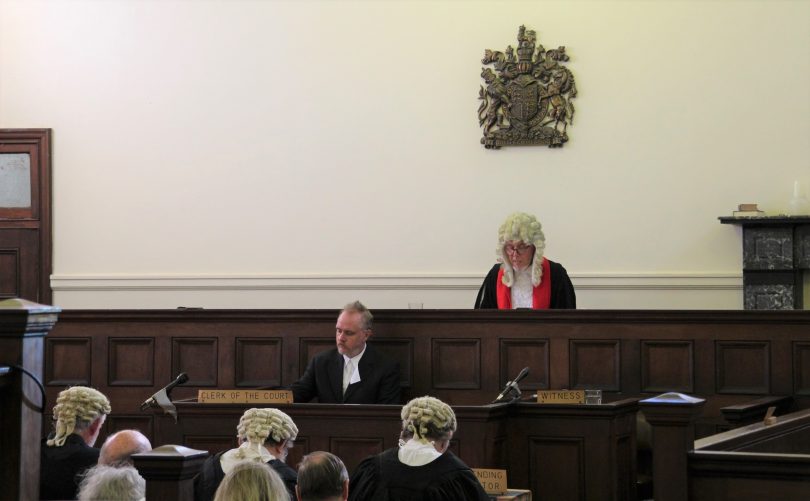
[561, 397]
[244, 396]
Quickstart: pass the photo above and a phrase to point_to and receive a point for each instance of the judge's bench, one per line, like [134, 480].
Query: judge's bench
[462, 357]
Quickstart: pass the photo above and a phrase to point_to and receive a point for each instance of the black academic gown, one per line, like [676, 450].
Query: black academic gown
[207, 481]
[60, 468]
[323, 379]
[384, 478]
[562, 290]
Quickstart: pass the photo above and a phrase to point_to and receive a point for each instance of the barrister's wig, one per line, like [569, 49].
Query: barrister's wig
[76, 408]
[525, 228]
[428, 418]
[257, 425]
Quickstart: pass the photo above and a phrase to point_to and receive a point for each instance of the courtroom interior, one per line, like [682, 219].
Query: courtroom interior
[274, 195]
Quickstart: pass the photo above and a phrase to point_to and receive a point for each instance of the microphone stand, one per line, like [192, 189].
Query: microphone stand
[161, 398]
[512, 389]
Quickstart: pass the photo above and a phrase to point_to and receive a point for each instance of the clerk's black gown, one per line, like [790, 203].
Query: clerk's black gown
[384, 478]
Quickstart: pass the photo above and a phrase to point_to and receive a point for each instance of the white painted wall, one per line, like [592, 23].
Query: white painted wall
[302, 154]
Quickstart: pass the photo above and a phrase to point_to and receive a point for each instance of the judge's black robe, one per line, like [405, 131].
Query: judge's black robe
[384, 478]
[562, 290]
[207, 481]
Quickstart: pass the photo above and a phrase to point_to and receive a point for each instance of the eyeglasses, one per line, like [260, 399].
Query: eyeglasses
[520, 249]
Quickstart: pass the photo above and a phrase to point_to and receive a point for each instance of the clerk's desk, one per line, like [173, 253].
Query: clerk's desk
[560, 452]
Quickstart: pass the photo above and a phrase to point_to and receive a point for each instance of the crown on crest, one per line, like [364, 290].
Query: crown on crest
[525, 49]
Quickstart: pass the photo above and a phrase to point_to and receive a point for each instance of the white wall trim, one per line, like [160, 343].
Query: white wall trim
[398, 281]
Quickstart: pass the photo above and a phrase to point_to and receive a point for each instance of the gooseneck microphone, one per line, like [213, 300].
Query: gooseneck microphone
[163, 394]
[512, 387]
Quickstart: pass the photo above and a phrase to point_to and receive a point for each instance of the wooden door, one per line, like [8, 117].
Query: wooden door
[25, 214]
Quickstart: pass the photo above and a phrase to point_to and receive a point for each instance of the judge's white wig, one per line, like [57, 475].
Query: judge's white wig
[525, 228]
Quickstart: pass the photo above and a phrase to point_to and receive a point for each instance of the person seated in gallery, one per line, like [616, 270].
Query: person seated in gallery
[119, 447]
[122, 483]
[354, 372]
[265, 436]
[524, 277]
[322, 476]
[252, 481]
[421, 468]
[68, 451]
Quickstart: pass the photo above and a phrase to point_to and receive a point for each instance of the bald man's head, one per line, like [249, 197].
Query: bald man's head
[119, 448]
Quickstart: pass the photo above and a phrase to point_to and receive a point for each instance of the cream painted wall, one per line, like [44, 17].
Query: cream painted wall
[301, 154]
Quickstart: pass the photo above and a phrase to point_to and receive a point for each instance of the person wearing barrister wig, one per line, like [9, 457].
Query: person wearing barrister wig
[265, 436]
[67, 452]
[421, 468]
[524, 278]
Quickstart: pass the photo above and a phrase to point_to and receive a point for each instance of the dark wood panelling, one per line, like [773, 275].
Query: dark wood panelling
[626, 466]
[801, 368]
[559, 468]
[667, 366]
[210, 443]
[131, 362]
[309, 348]
[118, 422]
[515, 354]
[197, 357]
[68, 362]
[595, 364]
[352, 450]
[9, 276]
[258, 362]
[485, 438]
[300, 449]
[19, 263]
[456, 363]
[753, 463]
[305, 332]
[743, 367]
[402, 351]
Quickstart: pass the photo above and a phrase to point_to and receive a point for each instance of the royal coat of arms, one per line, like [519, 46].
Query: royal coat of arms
[527, 99]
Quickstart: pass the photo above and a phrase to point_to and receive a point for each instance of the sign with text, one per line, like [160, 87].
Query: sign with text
[244, 397]
[561, 397]
[493, 481]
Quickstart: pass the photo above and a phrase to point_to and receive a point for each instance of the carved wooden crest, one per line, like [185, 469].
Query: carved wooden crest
[527, 99]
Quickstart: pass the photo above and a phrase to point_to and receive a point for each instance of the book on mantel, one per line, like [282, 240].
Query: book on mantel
[747, 210]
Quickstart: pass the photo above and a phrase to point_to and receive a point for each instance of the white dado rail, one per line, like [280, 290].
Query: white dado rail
[594, 290]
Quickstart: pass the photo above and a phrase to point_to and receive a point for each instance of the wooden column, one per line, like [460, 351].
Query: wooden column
[169, 471]
[672, 417]
[23, 326]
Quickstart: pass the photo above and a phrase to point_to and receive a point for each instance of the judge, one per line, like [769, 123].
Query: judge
[421, 468]
[354, 372]
[524, 277]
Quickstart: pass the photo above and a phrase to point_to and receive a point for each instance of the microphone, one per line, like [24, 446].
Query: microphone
[512, 386]
[162, 396]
